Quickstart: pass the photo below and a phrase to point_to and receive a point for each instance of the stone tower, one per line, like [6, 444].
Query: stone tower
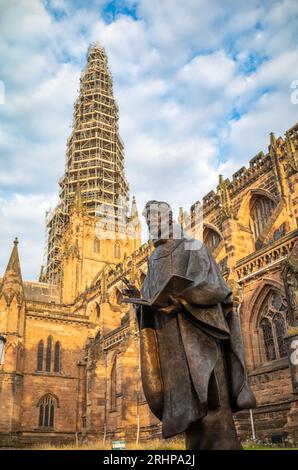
[93, 198]
[12, 324]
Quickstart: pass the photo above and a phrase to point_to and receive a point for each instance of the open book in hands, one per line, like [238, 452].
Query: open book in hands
[173, 286]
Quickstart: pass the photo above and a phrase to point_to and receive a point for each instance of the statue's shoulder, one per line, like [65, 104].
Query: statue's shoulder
[178, 247]
[166, 249]
[193, 245]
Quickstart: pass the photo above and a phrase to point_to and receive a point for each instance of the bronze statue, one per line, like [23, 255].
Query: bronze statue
[192, 359]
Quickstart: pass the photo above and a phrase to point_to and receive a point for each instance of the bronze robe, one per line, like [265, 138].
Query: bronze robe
[179, 351]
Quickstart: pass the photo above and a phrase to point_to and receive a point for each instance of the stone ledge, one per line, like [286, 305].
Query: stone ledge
[273, 366]
[292, 331]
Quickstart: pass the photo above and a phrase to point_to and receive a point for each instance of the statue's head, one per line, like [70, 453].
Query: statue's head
[159, 218]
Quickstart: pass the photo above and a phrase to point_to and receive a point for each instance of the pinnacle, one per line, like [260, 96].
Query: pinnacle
[272, 139]
[14, 262]
[134, 209]
[78, 203]
[12, 280]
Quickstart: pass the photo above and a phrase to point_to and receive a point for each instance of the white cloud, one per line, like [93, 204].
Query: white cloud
[203, 71]
[273, 112]
[23, 217]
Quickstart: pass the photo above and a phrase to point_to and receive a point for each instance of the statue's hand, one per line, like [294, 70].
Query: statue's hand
[131, 291]
[174, 302]
[173, 307]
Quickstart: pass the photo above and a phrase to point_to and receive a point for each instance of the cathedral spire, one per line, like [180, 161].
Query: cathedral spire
[94, 160]
[12, 283]
[95, 153]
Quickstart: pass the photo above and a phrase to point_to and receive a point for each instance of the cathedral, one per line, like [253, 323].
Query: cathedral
[69, 349]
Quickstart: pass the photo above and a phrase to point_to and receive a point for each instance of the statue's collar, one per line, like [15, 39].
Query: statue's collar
[165, 248]
[159, 241]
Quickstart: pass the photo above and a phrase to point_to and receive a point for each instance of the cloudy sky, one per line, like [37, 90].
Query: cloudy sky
[199, 83]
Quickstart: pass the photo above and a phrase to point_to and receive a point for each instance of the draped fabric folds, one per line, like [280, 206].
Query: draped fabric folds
[180, 350]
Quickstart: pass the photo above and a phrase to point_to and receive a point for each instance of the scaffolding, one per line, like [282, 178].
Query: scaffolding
[94, 158]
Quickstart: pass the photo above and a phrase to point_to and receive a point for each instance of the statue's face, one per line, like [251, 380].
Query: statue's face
[158, 221]
[153, 220]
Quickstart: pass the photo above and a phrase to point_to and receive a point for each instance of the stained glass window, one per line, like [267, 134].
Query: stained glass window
[261, 209]
[114, 385]
[49, 354]
[47, 408]
[117, 249]
[40, 355]
[280, 331]
[268, 339]
[96, 245]
[273, 325]
[211, 238]
[57, 359]
[2, 349]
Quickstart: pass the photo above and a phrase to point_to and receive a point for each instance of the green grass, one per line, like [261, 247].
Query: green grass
[154, 444]
[250, 445]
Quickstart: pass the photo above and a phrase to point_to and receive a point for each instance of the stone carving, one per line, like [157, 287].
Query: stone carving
[292, 281]
[290, 277]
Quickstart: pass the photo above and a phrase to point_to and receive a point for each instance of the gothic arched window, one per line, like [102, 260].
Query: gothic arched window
[97, 309]
[40, 355]
[118, 296]
[49, 354]
[114, 384]
[211, 238]
[117, 250]
[47, 408]
[268, 339]
[96, 245]
[2, 349]
[261, 208]
[273, 325]
[57, 358]
[280, 331]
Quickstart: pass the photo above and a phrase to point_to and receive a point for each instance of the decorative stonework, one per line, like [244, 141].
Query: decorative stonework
[292, 342]
[290, 277]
